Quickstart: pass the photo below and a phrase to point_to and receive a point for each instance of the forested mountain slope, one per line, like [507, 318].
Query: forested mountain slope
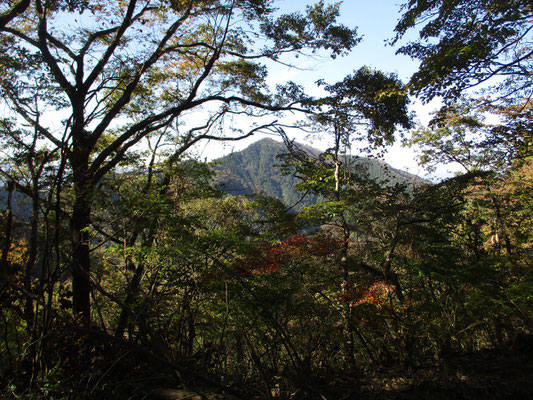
[256, 169]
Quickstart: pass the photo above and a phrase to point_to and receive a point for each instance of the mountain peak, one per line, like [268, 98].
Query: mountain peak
[254, 170]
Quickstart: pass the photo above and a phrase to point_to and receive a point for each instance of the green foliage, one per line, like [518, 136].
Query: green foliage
[316, 29]
[459, 134]
[455, 137]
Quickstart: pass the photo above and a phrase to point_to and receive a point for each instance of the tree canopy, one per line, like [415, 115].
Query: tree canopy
[467, 44]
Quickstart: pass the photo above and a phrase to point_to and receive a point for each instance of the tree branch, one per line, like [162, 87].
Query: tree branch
[16, 9]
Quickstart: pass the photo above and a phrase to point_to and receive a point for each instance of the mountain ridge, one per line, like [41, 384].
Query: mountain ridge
[255, 169]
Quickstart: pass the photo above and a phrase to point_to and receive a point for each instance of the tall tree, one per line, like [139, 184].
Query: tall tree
[482, 49]
[113, 73]
[367, 104]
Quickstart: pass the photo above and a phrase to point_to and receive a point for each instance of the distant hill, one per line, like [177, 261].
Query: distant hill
[20, 203]
[254, 170]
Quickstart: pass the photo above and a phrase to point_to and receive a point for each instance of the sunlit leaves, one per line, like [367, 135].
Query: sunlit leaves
[247, 76]
[455, 136]
[296, 249]
[377, 295]
[17, 256]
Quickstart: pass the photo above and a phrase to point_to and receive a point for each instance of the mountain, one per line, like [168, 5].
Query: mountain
[255, 170]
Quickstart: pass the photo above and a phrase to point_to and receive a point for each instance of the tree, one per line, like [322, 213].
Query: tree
[467, 45]
[482, 49]
[11, 12]
[484, 45]
[369, 105]
[114, 73]
[475, 44]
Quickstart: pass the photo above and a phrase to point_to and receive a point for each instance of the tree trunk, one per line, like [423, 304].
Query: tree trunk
[348, 331]
[133, 287]
[81, 265]
[131, 292]
[337, 178]
[4, 264]
[32, 254]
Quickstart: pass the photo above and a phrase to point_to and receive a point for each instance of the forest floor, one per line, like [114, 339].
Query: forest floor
[487, 375]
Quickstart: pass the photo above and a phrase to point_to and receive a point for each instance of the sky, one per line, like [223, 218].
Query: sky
[375, 22]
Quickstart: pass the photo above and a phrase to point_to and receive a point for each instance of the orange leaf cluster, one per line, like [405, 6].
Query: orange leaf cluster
[377, 294]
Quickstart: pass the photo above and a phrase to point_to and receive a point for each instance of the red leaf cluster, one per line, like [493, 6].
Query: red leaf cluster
[270, 258]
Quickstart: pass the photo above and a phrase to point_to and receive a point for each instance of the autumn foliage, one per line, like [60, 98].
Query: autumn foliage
[271, 258]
